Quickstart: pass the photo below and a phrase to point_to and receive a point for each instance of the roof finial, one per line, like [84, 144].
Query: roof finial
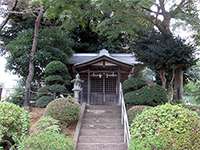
[104, 52]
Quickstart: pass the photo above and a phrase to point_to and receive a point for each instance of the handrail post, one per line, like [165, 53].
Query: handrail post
[124, 117]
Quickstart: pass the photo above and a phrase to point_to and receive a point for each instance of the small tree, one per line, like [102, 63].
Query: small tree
[57, 77]
[169, 56]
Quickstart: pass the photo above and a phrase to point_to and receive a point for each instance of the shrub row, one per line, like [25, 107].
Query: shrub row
[132, 84]
[147, 95]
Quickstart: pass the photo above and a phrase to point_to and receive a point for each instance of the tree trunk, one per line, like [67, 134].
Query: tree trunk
[163, 78]
[29, 79]
[1, 89]
[178, 85]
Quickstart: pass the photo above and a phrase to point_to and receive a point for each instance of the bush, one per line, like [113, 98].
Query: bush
[54, 79]
[134, 111]
[14, 123]
[43, 91]
[47, 124]
[16, 97]
[47, 141]
[57, 88]
[178, 127]
[132, 84]
[56, 68]
[66, 110]
[148, 95]
[43, 101]
[193, 108]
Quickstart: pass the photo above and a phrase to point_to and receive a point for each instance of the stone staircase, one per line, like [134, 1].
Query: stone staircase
[101, 129]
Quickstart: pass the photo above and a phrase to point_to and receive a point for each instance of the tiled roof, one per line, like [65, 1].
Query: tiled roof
[79, 58]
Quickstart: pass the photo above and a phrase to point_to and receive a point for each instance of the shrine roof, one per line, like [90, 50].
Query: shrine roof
[84, 58]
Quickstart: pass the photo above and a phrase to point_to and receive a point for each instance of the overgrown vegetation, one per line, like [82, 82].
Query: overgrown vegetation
[14, 124]
[166, 127]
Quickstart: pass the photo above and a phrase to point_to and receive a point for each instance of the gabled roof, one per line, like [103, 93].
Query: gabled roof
[86, 58]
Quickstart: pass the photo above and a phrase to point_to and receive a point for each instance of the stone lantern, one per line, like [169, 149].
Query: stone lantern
[77, 87]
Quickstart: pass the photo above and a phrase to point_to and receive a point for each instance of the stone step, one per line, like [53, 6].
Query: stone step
[101, 120]
[102, 115]
[101, 139]
[102, 126]
[101, 132]
[100, 146]
[103, 107]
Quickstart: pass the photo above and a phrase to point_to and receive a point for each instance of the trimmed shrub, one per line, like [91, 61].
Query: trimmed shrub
[52, 79]
[57, 78]
[148, 95]
[57, 88]
[134, 111]
[14, 123]
[43, 101]
[132, 84]
[43, 91]
[47, 123]
[177, 127]
[47, 141]
[66, 110]
[56, 68]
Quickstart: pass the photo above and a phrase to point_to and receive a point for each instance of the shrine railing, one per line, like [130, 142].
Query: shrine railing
[124, 117]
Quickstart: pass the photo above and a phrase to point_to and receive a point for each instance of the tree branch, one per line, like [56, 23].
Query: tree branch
[5, 21]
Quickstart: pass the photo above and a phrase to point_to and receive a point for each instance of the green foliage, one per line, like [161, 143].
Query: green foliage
[132, 84]
[16, 97]
[148, 95]
[43, 101]
[43, 91]
[47, 124]
[55, 68]
[176, 127]
[66, 110]
[150, 143]
[193, 108]
[58, 89]
[14, 123]
[192, 92]
[53, 44]
[164, 52]
[134, 111]
[47, 140]
[54, 79]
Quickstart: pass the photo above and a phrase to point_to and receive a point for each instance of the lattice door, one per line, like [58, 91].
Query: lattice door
[110, 90]
[96, 95]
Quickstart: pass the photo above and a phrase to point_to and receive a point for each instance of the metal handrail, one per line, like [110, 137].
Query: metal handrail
[124, 117]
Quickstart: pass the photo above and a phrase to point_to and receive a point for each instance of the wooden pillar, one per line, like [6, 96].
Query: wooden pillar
[104, 92]
[88, 94]
[118, 84]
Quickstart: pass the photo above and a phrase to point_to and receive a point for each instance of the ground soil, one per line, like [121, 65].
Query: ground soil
[35, 115]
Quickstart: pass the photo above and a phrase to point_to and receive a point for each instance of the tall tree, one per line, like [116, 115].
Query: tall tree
[166, 55]
[31, 58]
